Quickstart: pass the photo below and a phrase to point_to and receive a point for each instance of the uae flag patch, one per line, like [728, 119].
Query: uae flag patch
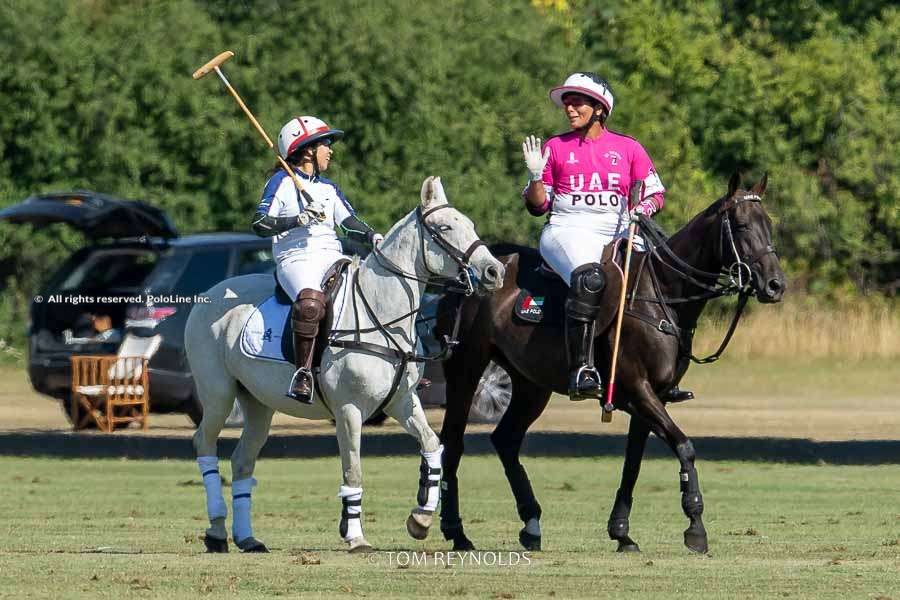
[530, 308]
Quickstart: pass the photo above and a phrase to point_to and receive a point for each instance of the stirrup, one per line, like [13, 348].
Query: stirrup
[587, 384]
[295, 395]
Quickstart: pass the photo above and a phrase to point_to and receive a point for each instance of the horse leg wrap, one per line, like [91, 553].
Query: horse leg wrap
[691, 499]
[617, 526]
[212, 482]
[351, 512]
[241, 491]
[430, 480]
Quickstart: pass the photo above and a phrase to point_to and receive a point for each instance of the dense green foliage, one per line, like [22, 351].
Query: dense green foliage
[97, 95]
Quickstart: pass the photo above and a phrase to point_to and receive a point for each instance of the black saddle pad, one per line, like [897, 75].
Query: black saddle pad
[542, 295]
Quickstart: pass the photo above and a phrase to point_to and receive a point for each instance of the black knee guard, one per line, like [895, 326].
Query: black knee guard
[585, 292]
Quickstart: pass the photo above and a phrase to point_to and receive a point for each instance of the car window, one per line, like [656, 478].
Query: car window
[254, 260]
[205, 268]
[110, 270]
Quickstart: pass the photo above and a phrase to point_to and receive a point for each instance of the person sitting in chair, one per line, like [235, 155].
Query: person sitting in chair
[581, 178]
[302, 228]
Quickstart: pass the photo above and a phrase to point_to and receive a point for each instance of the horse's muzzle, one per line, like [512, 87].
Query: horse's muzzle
[491, 278]
[773, 291]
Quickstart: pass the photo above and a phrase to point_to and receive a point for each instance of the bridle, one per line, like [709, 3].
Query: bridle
[735, 279]
[466, 279]
[741, 265]
[464, 284]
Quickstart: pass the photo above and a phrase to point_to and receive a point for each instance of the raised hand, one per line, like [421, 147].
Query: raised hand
[534, 160]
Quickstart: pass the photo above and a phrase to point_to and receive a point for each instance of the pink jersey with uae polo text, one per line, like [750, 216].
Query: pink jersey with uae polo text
[588, 180]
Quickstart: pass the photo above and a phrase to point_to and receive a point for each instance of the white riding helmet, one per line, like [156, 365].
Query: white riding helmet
[302, 131]
[587, 84]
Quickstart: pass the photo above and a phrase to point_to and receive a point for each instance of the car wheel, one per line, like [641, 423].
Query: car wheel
[492, 396]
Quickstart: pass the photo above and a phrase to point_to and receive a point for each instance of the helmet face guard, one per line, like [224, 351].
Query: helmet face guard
[300, 132]
[586, 84]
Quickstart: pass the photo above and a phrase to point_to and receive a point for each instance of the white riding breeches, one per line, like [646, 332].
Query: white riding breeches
[567, 248]
[302, 271]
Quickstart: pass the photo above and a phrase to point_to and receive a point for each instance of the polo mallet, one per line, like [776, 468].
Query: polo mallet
[213, 65]
[608, 407]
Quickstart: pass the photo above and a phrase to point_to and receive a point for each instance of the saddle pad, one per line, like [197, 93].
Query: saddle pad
[267, 330]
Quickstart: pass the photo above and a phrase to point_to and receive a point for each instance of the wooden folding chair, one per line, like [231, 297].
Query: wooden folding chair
[113, 389]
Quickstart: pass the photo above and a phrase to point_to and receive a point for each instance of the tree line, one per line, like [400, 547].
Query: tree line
[97, 94]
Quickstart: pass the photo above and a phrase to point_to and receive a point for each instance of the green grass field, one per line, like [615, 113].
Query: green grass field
[118, 528]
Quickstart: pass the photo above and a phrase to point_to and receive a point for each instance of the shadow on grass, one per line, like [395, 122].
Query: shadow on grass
[122, 445]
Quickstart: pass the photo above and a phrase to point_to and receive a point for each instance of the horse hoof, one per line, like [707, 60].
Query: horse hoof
[626, 544]
[215, 545]
[696, 542]
[252, 544]
[529, 541]
[358, 544]
[456, 535]
[418, 523]
[463, 544]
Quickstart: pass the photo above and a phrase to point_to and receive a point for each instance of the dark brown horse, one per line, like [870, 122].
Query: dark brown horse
[727, 248]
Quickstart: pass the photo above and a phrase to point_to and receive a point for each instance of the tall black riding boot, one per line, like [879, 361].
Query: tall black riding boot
[582, 306]
[306, 313]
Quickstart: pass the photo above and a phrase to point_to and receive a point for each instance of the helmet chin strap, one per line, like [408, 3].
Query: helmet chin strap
[316, 168]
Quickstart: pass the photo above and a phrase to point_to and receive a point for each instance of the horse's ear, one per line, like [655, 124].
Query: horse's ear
[734, 184]
[760, 188]
[427, 191]
[433, 192]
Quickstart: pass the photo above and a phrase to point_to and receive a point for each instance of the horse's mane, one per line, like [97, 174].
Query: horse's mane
[507, 248]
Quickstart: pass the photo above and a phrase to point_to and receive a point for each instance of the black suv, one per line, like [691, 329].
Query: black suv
[123, 280]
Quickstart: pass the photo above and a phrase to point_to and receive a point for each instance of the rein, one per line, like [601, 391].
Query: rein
[736, 282]
[463, 284]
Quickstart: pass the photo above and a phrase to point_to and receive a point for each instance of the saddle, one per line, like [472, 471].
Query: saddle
[542, 293]
[330, 287]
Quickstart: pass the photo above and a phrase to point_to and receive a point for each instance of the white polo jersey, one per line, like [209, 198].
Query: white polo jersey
[282, 199]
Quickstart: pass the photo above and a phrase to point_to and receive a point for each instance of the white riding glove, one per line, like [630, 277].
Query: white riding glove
[377, 239]
[534, 160]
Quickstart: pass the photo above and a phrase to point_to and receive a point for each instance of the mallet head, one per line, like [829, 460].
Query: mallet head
[213, 64]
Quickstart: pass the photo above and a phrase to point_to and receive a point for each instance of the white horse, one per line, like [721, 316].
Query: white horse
[428, 245]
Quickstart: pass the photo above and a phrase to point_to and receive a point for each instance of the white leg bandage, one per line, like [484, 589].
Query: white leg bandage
[430, 479]
[241, 528]
[351, 512]
[215, 502]
[533, 526]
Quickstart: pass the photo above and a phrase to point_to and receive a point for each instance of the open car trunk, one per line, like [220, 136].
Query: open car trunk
[84, 304]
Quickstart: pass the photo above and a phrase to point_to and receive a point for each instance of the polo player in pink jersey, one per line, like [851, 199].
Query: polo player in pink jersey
[582, 179]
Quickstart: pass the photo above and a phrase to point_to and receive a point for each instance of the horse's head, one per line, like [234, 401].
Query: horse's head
[452, 248]
[746, 240]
